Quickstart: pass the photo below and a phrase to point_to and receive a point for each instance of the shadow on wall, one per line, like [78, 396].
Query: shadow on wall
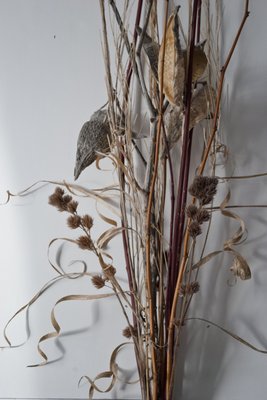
[206, 366]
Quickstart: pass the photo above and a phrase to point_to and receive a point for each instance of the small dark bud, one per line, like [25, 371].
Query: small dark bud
[189, 289]
[194, 287]
[128, 332]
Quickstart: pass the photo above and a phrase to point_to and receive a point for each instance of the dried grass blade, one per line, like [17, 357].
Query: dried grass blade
[233, 335]
[56, 326]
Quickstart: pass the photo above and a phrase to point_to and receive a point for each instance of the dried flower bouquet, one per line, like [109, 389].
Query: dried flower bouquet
[166, 196]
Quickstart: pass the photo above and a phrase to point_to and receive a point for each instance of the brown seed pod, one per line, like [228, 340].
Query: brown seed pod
[94, 137]
[174, 63]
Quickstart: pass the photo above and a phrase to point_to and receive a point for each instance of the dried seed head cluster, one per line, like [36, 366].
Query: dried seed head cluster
[204, 188]
[65, 202]
[98, 281]
[60, 200]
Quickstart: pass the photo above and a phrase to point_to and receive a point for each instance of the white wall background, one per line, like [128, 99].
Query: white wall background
[51, 81]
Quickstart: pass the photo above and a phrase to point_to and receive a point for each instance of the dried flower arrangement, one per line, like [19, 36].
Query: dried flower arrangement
[181, 83]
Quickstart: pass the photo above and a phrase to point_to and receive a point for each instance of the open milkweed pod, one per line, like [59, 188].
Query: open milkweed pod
[200, 61]
[202, 105]
[172, 64]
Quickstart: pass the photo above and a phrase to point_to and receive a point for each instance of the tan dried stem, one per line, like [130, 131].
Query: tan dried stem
[151, 305]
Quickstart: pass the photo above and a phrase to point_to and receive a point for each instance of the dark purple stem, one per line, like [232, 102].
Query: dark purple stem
[184, 171]
[198, 21]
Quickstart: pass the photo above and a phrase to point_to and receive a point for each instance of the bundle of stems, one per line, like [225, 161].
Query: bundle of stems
[162, 275]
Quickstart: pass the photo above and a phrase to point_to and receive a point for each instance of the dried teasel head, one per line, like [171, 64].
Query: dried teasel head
[85, 243]
[191, 211]
[98, 281]
[202, 215]
[74, 221]
[59, 199]
[87, 221]
[194, 229]
[204, 188]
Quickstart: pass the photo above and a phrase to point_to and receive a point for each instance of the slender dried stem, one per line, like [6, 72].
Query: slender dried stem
[151, 304]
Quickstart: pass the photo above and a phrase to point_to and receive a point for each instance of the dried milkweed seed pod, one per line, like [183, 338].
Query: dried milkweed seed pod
[151, 49]
[200, 61]
[174, 62]
[94, 137]
[202, 104]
